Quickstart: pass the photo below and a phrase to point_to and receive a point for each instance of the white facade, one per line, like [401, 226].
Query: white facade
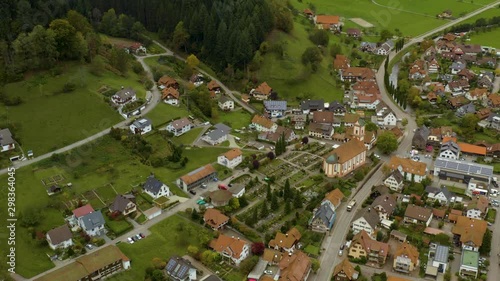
[474, 214]
[212, 141]
[179, 127]
[393, 184]
[362, 224]
[143, 129]
[449, 154]
[171, 101]
[164, 191]
[390, 120]
[227, 104]
[440, 197]
[230, 163]
[261, 128]
[63, 244]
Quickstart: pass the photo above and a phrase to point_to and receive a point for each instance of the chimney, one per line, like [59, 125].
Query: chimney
[286, 235]
[123, 87]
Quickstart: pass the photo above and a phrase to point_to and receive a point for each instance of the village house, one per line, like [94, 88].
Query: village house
[437, 259]
[385, 48]
[478, 208]
[231, 158]
[288, 134]
[225, 103]
[345, 158]
[324, 216]
[341, 62]
[96, 265]
[384, 206]
[295, 267]
[170, 96]
[155, 188]
[450, 150]
[327, 22]
[180, 126]
[441, 195]
[406, 258]
[477, 94]
[395, 181]
[353, 74]
[215, 219]
[79, 213]
[60, 237]
[309, 14]
[6, 141]
[470, 149]
[262, 92]
[93, 223]
[220, 197]
[483, 113]
[232, 248]
[418, 215]
[433, 66]
[285, 242]
[179, 269]
[419, 140]
[167, 82]
[309, 106]
[469, 264]
[320, 131]
[494, 100]
[466, 74]
[344, 271]
[197, 177]
[218, 135]
[368, 47]
[336, 107]
[298, 121]
[263, 124]
[213, 86]
[135, 48]
[141, 126]
[124, 96]
[469, 232]
[275, 108]
[410, 169]
[123, 204]
[354, 32]
[323, 117]
[375, 252]
[197, 79]
[366, 221]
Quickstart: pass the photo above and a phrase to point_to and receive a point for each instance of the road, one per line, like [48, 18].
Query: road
[496, 83]
[332, 242]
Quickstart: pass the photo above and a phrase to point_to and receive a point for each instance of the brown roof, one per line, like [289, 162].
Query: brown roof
[190, 178]
[478, 92]
[368, 244]
[179, 123]
[59, 234]
[323, 117]
[494, 99]
[440, 213]
[480, 203]
[387, 202]
[167, 81]
[362, 72]
[215, 218]
[285, 240]
[407, 250]
[294, 267]
[220, 196]
[347, 151]
[470, 230]
[483, 113]
[335, 197]
[351, 118]
[346, 267]
[230, 245]
[454, 214]
[472, 149]
[272, 255]
[397, 132]
[245, 97]
[233, 153]
[213, 85]
[308, 12]
[408, 165]
[418, 213]
[431, 96]
[263, 121]
[264, 89]
[169, 92]
[327, 19]
[396, 278]
[340, 62]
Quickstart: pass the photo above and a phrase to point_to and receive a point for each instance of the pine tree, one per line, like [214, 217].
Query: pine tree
[297, 201]
[274, 203]
[264, 211]
[268, 192]
[286, 190]
[288, 207]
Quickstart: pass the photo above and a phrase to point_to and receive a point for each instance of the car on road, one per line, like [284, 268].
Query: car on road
[192, 192]
[267, 271]
[130, 240]
[341, 252]
[342, 247]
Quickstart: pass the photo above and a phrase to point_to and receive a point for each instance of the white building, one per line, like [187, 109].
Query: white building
[441, 195]
[230, 159]
[231, 248]
[6, 140]
[450, 150]
[263, 124]
[218, 135]
[395, 181]
[367, 221]
[60, 237]
[226, 103]
[389, 119]
[180, 126]
[93, 224]
[141, 126]
[156, 188]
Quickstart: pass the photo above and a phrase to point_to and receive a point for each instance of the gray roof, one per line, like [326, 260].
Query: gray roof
[365, 44]
[468, 108]
[153, 185]
[236, 188]
[275, 104]
[451, 145]
[312, 104]
[325, 213]
[370, 216]
[120, 203]
[93, 220]
[441, 254]
[216, 134]
[6, 137]
[464, 167]
[432, 189]
[178, 268]
[396, 174]
[125, 93]
[422, 132]
[223, 127]
[223, 99]
[142, 123]
[336, 106]
[446, 193]
[386, 201]
[458, 66]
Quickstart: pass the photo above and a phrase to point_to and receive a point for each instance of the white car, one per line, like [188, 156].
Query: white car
[267, 271]
[376, 156]
[341, 252]
[130, 240]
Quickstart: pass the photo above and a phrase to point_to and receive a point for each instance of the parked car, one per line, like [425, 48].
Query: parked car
[138, 237]
[204, 185]
[376, 156]
[192, 192]
[89, 246]
[341, 252]
[267, 271]
[142, 235]
[130, 240]
[342, 247]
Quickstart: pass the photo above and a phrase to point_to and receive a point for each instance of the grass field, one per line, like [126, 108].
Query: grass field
[236, 119]
[289, 77]
[164, 113]
[486, 14]
[433, 8]
[188, 138]
[47, 120]
[170, 237]
[489, 38]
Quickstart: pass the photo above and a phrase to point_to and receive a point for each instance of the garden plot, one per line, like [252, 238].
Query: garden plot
[361, 22]
[292, 155]
[297, 177]
[306, 160]
[281, 171]
[106, 193]
[315, 166]
[93, 199]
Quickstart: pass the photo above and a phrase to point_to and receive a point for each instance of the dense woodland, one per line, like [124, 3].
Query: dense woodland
[37, 34]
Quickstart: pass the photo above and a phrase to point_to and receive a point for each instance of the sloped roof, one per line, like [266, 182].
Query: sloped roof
[178, 267]
[93, 220]
[120, 203]
[264, 89]
[385, 201]
[83, 210]
[472, 149]
[152, 184]
[407, 250]
[346, 267]
[214, 217]
[367, 243]
[263, 121]
[233, 153]
[370, 216]
[470, 230]
[327, 19]
[396, 174]
[294, 267]
[230, 245]
[419, 213]
[335, 197]
[408, 165]
[345, 152]
[285, 240]
[198, 174]
[59, 234]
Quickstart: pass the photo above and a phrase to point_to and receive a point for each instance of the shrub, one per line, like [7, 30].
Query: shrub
[68, 87]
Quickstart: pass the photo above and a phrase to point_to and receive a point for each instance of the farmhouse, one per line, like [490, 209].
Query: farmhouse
[344, 271]
[230, 247]
[124, 96]
[345, 158]
[327, 22]
[263, 124]
[230, 159]
[197, 177]
[60, 237]
[262, 92]
[215, 219]
[180, 126]
[170, 96]
[275, 108]
[450, 150]
[478, 208]
[141, 126]
[384, 206]
[353, 74]
[94, 266]
[6, 140]
[197, 79]
[167, 82]
[320, 131]
[273, 137]
[341, 62]
[323, 117]
[213, 86]
[156, 188]
[308, 106]
[298, 121]
[441, 195]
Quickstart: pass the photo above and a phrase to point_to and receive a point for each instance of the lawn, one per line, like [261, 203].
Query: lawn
[47, 119]
[289, 77]
[106, 193]
[189, 137]
[433, 8]
[170, 237]
[491, 215]
[235, 119]
[456, 190]
[164, 113]
[489, 38]
[118, 227]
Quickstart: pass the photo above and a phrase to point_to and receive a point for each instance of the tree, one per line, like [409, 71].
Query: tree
[234, 203]
[469, 124]
[274, 203]
[387, 142]
[380, 236]
[305, 140]
[264, 212]
[288, 207]
[69, 42]
[297, 201]
[79, 22]
[404, 122]
[271, 155]
[258, 248]
[193, 250]
[36, 50]
[485, 248]
[256, 164]
[30, 217]
[192, 61]
[269, 193]
[287, 193]
[319, 37]
[180, 36]
[371, 127]
[158, 263]
[315, 265]
[194, 215]
[312, 56]
[109, 23]
[335, 50]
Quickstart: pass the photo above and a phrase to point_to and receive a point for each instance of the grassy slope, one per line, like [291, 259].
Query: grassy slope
[46, 120]
[432, 8]
[237, 119]
[491, 38]
[287, 77]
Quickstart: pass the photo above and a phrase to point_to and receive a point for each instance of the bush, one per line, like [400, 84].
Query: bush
[68, 87]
